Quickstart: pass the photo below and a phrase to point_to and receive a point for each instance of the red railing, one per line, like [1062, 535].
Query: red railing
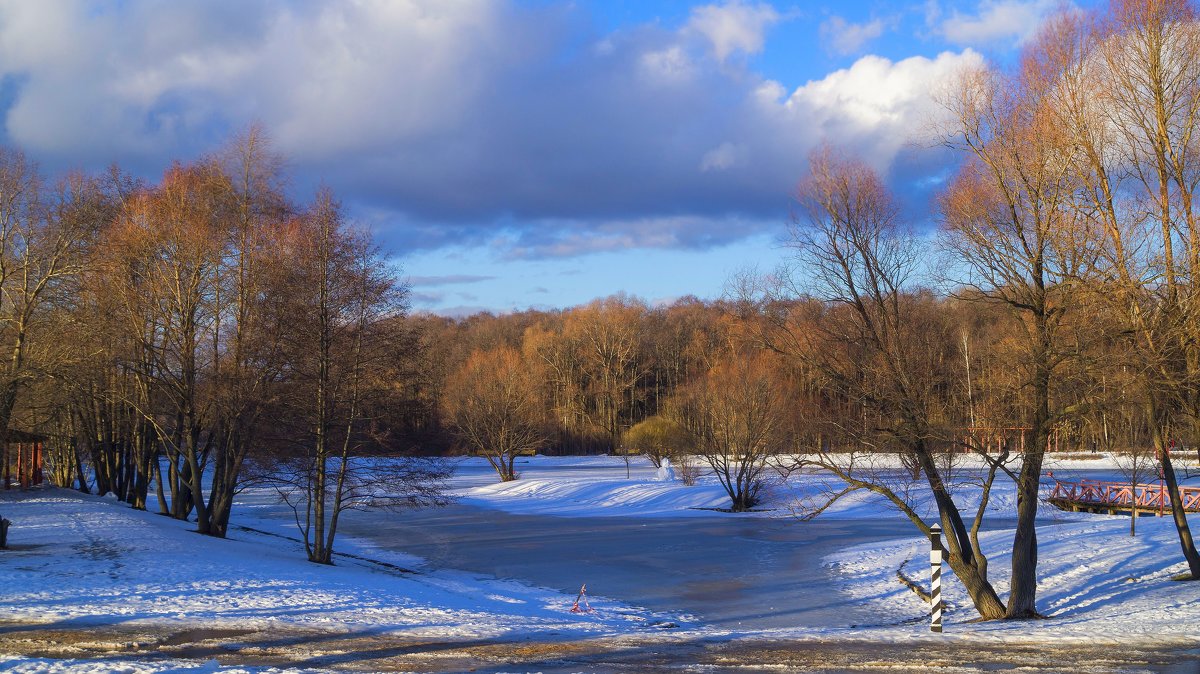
[1123, 495]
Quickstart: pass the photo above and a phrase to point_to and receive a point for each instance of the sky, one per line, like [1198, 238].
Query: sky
[515, 154]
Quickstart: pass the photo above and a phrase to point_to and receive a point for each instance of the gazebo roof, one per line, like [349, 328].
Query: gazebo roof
[15, 435]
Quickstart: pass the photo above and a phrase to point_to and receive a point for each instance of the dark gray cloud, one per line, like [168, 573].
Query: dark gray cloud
[426, 299]
[451, 279]
[519, 127]
[565, 239]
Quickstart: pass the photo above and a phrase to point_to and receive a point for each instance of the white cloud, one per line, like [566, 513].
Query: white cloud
[845, 37]
[733, 26]
[667, 65]
[933, 13]
[724, 156]
[876, 105]
[993, 21]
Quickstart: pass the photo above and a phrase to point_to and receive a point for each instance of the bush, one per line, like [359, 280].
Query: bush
[658, 438]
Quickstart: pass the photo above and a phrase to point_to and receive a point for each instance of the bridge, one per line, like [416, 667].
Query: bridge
[1094, 496]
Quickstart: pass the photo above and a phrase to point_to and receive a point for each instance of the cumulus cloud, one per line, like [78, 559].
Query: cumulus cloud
[733, 27]
[325, 77]
[878, 105]
[845, 37]
[671, 64]
[460, 123]
[994, 21]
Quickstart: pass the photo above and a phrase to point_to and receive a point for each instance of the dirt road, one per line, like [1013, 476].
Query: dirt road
[308, 650]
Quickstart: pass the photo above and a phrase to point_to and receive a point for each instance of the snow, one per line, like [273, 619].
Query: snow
[591, 486]
[1095, 582]
[110, 666]
[80, 560]
[665, 472]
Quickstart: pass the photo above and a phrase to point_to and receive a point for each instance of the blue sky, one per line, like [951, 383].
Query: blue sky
[514, 154]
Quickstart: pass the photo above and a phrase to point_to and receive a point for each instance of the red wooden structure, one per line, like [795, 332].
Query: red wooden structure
[22, 460]
[1114, 497]
[993, 438]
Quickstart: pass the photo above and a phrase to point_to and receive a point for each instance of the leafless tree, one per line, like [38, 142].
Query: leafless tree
[1009, 224]
[46, 231]
[491, 403]
[872, 344]
[342, 300]
[737, 413]
[1127, 91]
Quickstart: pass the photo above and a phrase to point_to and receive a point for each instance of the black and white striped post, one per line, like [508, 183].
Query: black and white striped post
[935, 574]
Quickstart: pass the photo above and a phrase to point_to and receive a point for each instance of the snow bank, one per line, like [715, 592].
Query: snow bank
[597, 486]
[1096, 583]
[80, 560]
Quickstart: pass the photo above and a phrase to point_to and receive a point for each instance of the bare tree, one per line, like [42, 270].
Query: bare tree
[45, 234]
[737, 409]
[342, 299]
[872, 344]
[1009, 224]
[1136, 464]
[1127, 92]
[248, 320]
[493, 408]
[162, 258]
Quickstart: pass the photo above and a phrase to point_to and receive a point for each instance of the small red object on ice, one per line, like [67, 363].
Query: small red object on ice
[587, 608]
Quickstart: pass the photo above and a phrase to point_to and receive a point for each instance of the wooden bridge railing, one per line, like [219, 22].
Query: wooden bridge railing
[1122, 495]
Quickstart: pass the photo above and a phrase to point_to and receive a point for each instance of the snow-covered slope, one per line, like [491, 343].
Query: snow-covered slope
[77, 559]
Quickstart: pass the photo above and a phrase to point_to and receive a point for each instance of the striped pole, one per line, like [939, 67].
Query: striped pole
[935, 574]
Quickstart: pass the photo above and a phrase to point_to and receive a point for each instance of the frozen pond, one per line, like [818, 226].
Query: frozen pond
[734, 572]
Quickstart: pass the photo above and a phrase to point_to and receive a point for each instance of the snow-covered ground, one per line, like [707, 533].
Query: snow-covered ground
[596, 486]
[85, 561]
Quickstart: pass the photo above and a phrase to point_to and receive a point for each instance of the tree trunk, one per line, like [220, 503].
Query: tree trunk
[1177, 511]
[83, 485]
[961, 557]
[1022, 599]
[158, 485]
